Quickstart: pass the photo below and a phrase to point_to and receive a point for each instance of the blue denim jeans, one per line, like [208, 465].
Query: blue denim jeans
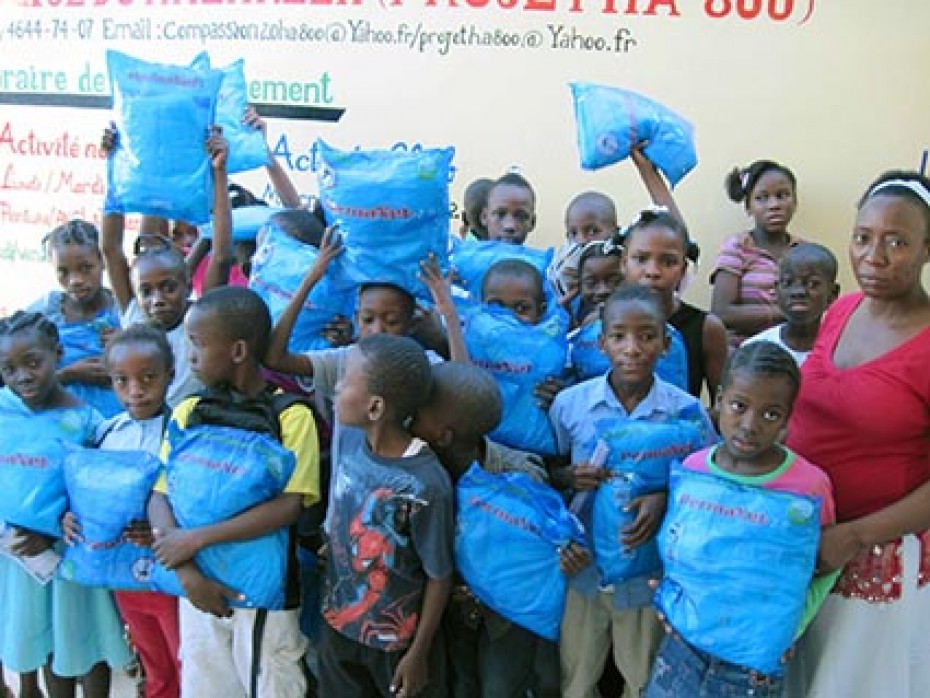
[683, 671]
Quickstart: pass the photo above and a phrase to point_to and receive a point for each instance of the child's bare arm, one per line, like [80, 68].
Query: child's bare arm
[716, 351]
[221, 259]
[411, 674]
[278, 177]
[744, 318]
[111, 238]
[277, 357]
[655, 184]
[175, 546]
[440, 287]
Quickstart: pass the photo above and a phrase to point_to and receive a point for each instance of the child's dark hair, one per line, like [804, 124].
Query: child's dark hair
[515, 268]
[812, 253]
[142, 333]
[151, 246]
[662, 218]
[75, 232]
[396, 368]
[301, 225]
[595, 198]
[513, 179]
[634, 293]
[904, 183]
[23, 321]
[598, 249]
[762, 359]
[242, 315]
[742, 180]
[471, 396]
[474, 200]
[240, 197]
[410, 303]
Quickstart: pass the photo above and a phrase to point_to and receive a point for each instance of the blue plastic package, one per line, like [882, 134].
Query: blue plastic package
[588, 361]
[519, 356]
[392, 208]
[471, 260]
[246, 222]
[107, 490]
[215, 473]
[738, 562]
[247, 147]
[160, 164]
[279, 266]
[84, 340]
[639, 456]
[611, 121]
[509, 529]
[31, 473]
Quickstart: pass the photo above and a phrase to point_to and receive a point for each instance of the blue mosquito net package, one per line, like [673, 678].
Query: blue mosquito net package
[84, 340]
[279, 266]
[213, 474]
[639, 456]
[589, 361]
[246, 222]
[107, 490]
[247, 147]
[519, 356]
[738, 561]
[471, 260]
[611, 121]
[392, 209]
[163, 112]
[509, 529]
[31, 473]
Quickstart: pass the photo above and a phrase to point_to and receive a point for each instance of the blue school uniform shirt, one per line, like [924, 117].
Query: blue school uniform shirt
[574, 413]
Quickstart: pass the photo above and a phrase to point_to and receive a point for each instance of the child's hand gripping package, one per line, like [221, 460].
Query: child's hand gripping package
[84, 340]
[215, 473]
[638, 454]
[612, 121]
[392, 209]
[107, 491]
[471, 260]
[509, 529]
[163, 113]
[738, 561]
[520, 357]
[32, 478]
[278, 268]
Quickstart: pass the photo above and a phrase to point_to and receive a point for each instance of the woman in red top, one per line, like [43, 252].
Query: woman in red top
[864, 414]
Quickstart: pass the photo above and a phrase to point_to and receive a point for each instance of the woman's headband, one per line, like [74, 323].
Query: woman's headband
[915, 186]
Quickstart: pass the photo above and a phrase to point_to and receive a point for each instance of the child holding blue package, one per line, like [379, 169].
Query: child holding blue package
[759, 387]
[70, 630]
[596, 612]
[141, 365]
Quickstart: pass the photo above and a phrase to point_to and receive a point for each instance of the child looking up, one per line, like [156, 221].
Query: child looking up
[633, 337]
[228, 330]
[488, 655]
[83, 310]
[390, 524]
[746, 270]
[70, 630]
[510, 214]
[140, 364]
[806, 287]
[758, 390]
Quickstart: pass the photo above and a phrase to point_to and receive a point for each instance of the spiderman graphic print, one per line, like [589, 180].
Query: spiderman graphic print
[390, 527]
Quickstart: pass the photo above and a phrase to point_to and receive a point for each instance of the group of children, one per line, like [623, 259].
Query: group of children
[387, 426]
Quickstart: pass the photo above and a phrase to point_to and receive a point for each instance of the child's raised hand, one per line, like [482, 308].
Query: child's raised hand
[30, 543]
[338, 332]
[175, 546]
[330, 247]
[439, 284]
[109, 139]
[139, 533]
[650, 510]
[217, 148]
[411, 675]
[585, 476]
[71, 528]
[573, 558]
[546, 391]
[207, 595]
[251, 118]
